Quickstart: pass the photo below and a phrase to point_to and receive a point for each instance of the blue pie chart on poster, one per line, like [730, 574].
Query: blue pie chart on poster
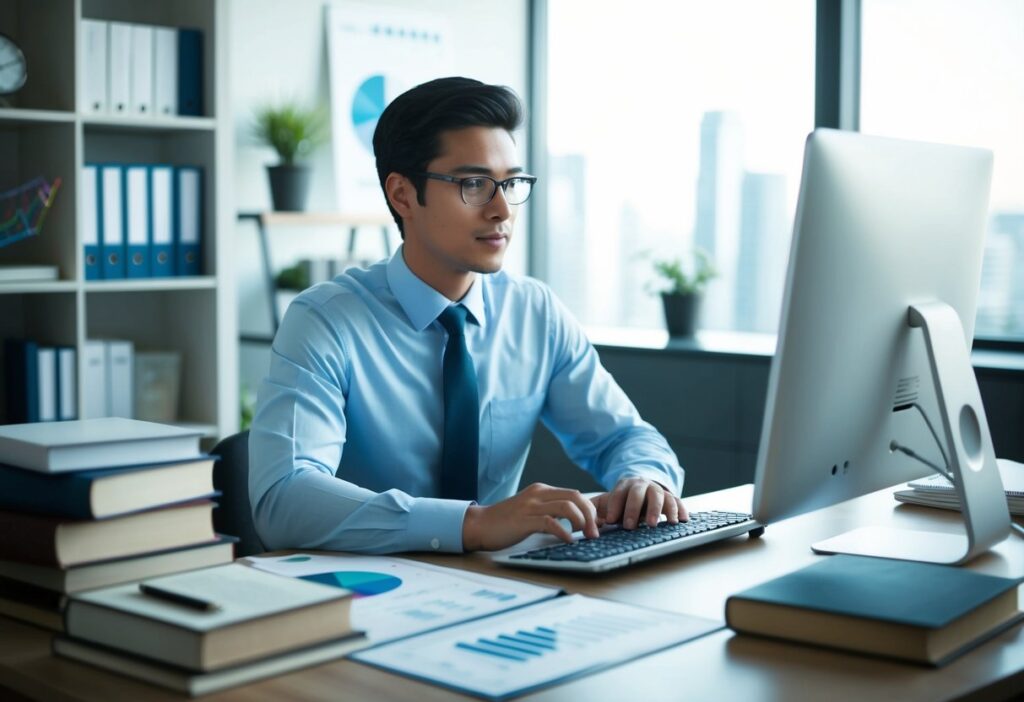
[362, 583]
[368, 103]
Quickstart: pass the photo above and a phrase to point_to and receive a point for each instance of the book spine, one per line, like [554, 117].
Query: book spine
[28, 539]
[28, 491]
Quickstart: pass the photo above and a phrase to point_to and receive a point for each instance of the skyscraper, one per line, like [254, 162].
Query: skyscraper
[763, 252]
[719, 198]
[566, 237]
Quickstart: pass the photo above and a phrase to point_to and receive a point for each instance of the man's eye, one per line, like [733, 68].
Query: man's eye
[474, 183]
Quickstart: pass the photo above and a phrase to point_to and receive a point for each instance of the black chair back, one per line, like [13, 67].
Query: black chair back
[231, 476]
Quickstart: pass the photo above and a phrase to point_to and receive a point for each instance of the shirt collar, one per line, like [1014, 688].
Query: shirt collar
[420, 302]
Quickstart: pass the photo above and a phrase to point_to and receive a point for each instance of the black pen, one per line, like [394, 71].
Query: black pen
[177, 598]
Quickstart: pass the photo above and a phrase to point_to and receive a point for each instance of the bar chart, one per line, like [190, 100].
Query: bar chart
[527, 648]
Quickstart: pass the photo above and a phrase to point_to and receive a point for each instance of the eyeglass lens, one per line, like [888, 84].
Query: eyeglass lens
[479, 191]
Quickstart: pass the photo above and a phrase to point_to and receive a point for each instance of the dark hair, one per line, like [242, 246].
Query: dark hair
[408, 134]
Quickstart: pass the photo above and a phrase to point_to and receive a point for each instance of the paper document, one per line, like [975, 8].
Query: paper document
[519, 651]
[395, 597]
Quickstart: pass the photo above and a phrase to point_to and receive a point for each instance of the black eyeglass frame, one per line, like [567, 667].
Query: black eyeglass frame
[503, 184]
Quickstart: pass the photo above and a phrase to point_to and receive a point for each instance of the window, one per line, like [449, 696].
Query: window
[953, 72]
[671, 125]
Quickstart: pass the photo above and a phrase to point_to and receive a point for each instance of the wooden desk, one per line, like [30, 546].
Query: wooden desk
[721, 666]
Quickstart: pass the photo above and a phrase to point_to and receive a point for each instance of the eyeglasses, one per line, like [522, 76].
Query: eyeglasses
[478, 190]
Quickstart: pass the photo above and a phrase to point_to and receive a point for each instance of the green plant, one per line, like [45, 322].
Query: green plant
[685, 281]
[293, 131]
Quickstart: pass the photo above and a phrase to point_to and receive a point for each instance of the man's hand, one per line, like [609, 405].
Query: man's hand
[633, 497]
[535, 509]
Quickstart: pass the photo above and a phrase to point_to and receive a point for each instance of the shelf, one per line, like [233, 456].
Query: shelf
[204, 282]
[319, 219]
[18, 116]
[160, 125]
[42, 286]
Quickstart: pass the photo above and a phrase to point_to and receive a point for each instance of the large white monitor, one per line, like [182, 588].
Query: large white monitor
[873, 347]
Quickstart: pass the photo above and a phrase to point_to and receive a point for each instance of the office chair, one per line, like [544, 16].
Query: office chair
[231, 476]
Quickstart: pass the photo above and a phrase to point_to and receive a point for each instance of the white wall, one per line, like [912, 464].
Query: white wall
[279, 51]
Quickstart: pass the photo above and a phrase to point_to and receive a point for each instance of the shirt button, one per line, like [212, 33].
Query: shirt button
[435, 543]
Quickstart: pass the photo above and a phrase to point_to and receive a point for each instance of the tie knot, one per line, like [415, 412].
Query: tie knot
[453, 319]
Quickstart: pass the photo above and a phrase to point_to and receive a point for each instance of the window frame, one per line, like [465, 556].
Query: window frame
[837, 49]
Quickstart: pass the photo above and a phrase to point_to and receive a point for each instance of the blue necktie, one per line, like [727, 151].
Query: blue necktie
[461, 411]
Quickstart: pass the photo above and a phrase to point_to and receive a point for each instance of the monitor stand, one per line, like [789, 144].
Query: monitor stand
[968, 446]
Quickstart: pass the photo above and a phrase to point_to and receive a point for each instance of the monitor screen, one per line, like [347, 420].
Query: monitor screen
[881, 225]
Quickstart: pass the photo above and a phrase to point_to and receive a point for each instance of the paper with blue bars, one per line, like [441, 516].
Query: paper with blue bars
[509, 654]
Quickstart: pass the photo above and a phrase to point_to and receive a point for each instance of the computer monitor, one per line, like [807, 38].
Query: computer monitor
[873, 346]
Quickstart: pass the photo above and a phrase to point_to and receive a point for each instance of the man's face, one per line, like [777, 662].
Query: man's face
[448, 236]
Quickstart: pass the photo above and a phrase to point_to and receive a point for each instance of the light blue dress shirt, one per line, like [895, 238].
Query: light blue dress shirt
[345, 447]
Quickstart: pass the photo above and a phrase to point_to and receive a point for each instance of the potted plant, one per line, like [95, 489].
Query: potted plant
[683, 289]
[294, 132]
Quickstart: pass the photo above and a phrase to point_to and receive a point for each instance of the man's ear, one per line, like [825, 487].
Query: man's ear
[401, 194]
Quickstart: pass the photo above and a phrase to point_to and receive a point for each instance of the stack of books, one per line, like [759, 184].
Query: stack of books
[937, 491]
[208, 629]
[91, 503]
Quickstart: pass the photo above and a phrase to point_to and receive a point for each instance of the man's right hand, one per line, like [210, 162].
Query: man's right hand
[536, 509]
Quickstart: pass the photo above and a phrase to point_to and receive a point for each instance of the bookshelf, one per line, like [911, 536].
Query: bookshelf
[42, 132]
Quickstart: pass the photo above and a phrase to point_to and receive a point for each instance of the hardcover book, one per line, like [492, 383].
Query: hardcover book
[918, 612]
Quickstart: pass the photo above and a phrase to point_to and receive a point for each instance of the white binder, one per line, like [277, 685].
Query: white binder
[94, 97]
[119, 68]
[165, 70]
[47, 386]
[94, 382]
[142, 70]
[67, 381]
[120, 378]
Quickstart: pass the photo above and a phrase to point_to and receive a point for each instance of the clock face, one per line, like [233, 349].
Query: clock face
[13, 68]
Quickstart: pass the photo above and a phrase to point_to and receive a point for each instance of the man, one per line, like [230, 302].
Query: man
[401, 399]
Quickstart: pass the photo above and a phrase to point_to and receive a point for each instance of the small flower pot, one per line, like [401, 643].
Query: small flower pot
[681, 312]
[289, 187]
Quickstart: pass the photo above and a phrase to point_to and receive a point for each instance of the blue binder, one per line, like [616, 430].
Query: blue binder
[190, 72]
[188, 221]
[137, 221]
[161, 202]
[21, 374]
[91, 221]
[112, 245]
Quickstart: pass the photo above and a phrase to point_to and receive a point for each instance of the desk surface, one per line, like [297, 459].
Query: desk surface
[721, 666]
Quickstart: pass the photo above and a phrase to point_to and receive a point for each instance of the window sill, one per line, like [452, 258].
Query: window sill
[750, 346]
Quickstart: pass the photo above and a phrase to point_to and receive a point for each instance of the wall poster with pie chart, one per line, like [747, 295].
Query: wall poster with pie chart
[375, 53]
[396, 597]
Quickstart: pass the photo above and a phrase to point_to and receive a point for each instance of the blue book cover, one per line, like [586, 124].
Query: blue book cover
[21, 375]
[921, 612]
[72, 494]
[190, 72]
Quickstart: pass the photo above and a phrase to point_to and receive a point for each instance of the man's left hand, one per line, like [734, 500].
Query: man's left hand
[634, 498]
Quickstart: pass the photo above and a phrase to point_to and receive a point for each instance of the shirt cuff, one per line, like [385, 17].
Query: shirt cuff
[436, 525]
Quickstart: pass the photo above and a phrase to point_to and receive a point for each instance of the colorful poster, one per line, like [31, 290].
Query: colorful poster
[375, 53]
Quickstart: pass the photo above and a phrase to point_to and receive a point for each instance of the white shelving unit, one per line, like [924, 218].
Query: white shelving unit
[42, 133]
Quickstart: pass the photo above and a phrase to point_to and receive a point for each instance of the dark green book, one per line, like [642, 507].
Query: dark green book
[917, 612]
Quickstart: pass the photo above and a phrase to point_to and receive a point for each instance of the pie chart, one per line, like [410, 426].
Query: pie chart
[367, 105]
[362, 583]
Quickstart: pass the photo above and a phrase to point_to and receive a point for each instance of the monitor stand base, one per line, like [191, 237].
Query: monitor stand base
[900, 544]
[966, 445]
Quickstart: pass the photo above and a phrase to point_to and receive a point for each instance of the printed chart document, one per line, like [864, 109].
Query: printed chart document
[396, 598]
[520, 651]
